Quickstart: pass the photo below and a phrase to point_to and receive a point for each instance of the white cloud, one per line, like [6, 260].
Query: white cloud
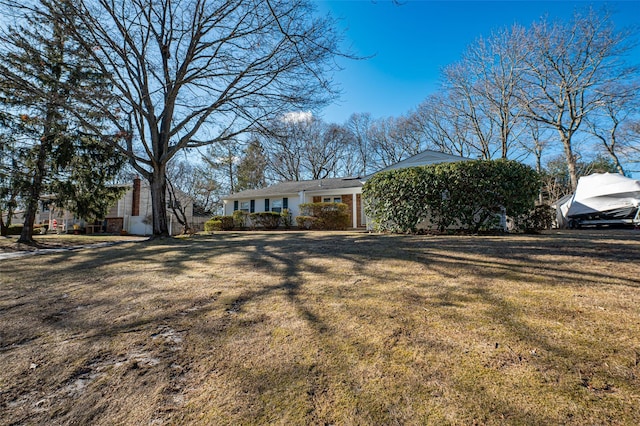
[297, 116]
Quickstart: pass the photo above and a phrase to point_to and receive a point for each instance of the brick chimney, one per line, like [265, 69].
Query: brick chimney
[135, 202]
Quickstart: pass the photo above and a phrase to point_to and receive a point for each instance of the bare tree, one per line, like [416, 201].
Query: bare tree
[196, 182]
[608, 122]
[383, 142]
[481, 93]
[631, 149]
[284, 142]
[324, 152]
[568, 69]
[358, 125]
[304, 147]
[465, 104]
[536, 139]
[497, 63]
[442, 127]
[191, 73]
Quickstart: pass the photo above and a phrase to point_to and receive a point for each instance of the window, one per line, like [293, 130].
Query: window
[244, 206]
[276, 206]
[329, 200]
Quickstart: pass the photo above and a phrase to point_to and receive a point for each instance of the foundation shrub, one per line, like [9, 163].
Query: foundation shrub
[305, 222]
[286, 218]
[240, 219]
[213, 225]
[327, 216]
[227, 223]
[15, 229]
[539, 218]
[267, 220]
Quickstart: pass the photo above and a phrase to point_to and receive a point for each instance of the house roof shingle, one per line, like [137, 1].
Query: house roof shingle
[425, 158]
[294, 187]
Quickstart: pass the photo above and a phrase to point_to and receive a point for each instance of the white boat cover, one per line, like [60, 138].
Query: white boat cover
[562, 207]
[606, 194]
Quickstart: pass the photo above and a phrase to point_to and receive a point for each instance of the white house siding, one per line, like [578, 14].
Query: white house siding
[139, 222]
[293, 204]
[294, 201]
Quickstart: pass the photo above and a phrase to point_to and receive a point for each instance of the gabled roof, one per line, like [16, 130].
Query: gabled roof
[295, 187]
[425, 158]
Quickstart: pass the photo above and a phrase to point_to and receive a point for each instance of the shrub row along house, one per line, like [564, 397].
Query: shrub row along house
[290, 195]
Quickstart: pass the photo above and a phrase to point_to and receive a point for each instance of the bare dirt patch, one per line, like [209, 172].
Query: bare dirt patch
[326, 328]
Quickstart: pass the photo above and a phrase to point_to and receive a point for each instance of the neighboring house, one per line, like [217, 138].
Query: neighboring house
[289, 195]
[131, 214]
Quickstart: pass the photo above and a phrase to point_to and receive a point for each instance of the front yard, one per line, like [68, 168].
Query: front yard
[326, 328]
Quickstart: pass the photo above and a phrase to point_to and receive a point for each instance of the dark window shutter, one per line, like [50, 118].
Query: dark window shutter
[253, 206]
[235, 205]
[285, 203]
[266, 204]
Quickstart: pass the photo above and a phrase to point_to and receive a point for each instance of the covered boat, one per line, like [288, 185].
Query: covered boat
[605, 198]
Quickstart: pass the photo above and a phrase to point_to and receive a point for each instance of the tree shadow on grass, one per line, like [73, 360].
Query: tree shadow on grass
[222, 311]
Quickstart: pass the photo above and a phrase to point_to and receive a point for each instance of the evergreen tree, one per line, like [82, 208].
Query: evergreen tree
[45, 83]
[251, 169]
[8, 187]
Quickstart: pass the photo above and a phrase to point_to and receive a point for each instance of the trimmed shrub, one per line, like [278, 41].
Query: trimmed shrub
[268, 220]
[240, 219]
[469, 195]
[227, 223]
[541, 217]
[213, 225]
[305, 222]
[286, 220]
[15, 229]
[327, 216]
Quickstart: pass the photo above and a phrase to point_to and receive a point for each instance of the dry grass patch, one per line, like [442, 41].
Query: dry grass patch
[326, 328]
[54, 241]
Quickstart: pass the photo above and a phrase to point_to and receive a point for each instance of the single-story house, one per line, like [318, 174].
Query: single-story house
[290, 194]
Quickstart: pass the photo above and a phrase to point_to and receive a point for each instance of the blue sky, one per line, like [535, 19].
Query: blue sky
[413, 41]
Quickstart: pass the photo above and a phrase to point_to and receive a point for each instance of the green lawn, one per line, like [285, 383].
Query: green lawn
[326, 328]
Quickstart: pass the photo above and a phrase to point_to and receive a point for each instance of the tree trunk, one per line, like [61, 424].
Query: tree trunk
[158, 187]
[26, 237]
[614, 157]
[571, 165]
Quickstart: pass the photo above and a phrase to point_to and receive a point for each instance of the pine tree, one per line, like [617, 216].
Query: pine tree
[252, 166]
[45, 82]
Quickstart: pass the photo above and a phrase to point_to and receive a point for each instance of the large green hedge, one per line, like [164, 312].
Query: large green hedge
[467, 195]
